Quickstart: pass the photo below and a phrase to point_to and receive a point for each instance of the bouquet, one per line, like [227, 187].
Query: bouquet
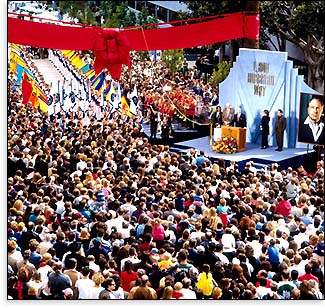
[226, 145]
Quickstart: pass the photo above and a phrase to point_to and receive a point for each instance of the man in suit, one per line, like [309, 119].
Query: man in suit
[153, 121]
[228, 115]
[239, 119]
[311, 130]
[280, 126]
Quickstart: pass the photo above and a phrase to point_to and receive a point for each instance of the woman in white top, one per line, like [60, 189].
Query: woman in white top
[94, 291]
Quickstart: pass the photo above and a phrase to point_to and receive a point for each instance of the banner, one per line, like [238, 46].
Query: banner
[27, 89]
[111, 46]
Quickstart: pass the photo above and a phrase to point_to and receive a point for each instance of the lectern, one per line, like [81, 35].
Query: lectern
[238, 133]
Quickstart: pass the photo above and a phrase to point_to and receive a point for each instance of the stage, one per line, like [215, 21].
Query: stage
[186, 139]
[253, 152]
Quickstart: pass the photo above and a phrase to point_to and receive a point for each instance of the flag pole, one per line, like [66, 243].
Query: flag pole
[210, 133]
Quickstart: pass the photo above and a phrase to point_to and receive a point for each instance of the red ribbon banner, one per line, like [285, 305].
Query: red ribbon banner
[111, 46]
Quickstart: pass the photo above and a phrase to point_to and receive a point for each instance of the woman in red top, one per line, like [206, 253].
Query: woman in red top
[128, 275]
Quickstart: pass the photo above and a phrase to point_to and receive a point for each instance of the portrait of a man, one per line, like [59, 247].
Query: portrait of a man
[311, 119]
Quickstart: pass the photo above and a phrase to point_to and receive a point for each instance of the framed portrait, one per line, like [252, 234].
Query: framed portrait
[311, 119]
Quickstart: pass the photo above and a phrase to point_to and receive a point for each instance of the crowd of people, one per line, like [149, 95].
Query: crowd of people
[96, 211]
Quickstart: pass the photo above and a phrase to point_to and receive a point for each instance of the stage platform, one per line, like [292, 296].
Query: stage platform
[253, 152]
[185, 139]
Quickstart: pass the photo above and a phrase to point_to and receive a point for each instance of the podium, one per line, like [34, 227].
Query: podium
[238, 133]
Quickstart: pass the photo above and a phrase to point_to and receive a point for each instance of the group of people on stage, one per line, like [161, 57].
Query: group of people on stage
[311, 128]
[228, 117]
[280, 126]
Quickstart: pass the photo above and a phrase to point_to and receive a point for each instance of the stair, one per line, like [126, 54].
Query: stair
[50, 73]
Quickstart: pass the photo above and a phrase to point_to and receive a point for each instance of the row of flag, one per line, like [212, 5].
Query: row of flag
[105, 88]
[108, 91]
[31, 90]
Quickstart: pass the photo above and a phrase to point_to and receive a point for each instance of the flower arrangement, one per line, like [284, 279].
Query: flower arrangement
[226, 145]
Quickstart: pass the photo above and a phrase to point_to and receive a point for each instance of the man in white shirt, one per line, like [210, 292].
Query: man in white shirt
[262, 290]
[84, 285]
[133, 257]
[128, 207]
[220, 255]
[302, 236]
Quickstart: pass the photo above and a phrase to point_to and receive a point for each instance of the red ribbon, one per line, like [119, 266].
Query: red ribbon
[111, 50]
[111, 46]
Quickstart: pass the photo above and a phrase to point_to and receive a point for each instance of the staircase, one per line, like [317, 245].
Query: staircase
[50, 73]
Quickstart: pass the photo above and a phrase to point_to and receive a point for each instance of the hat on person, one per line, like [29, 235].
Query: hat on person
[100, 195]
[154, 250]
[113, 213]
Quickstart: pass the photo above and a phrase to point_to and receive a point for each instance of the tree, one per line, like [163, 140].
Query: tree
[251, 7]
[211, 8]
[220, 73]
[130, 19]
[174, 59]
[142, 16]
[301, 23]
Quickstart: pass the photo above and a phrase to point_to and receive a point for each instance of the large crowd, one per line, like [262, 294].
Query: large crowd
[97, 211]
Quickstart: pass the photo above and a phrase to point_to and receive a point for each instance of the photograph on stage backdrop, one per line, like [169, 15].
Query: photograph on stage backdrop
[311, 119]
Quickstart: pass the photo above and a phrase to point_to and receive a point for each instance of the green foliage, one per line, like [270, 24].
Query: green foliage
[143, 16]
[220, 73]
[130, 19]
[301, 17]
[174, 59]
[210, 8]
[152, 20]
[112, 22]
[116, 13]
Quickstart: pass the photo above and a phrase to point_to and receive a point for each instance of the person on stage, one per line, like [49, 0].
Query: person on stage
[153, 121]
[311, 130]
[216, 117]
[239, 119]
[280, 126]
[265, 129]
[228, 115]
[165, 131]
